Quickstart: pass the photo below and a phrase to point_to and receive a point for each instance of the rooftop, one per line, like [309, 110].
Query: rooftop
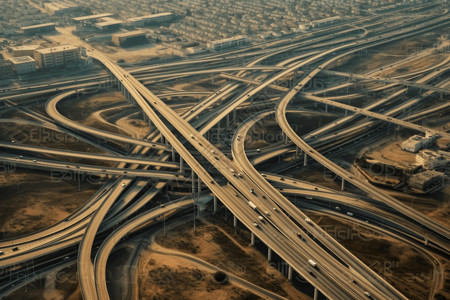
[57, 49]
[37, 26]
[91, 17]
[21, 60]
[153, 16]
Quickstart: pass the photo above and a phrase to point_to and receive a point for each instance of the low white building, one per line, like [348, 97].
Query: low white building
[417, 142]
[431, 159]
[24, 64]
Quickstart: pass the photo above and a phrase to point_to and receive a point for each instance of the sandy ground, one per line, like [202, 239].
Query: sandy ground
[406, 269]
[44, 201]
[134, 54]
[229, 250]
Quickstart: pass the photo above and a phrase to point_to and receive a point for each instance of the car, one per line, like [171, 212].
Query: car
[1, 252]
[123, 184]
[216, 157]
[15, 248]
[368, 295]
[34, 160]
[211, 181]
[255, 224]
[192, 136]
[212, 151]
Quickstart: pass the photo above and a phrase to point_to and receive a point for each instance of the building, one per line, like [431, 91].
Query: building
[56, 56]
[109, 24]
[26, 50]
[150, 19]
[227, 43]
[24, 65]
[91, 18]
[129, 38]
[432, 160]
[427, 181]
[326, 21]
[60, 7]
[33, 29]
[6, 69]
[417, 142]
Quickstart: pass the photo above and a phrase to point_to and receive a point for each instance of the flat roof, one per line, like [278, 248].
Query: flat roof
[21, 60]
[129, 33]
[91, 17]
[149, 17]
[25, 47]
[37, 26]
[234, 38]
[57, 49]
[109, 21]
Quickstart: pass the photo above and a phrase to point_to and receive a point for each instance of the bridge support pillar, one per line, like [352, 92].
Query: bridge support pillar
[215, 204]
[181, 165]
[234, 221]
[290, 273]
[228, 120]
[342, 184]
[252, 239]
[316, 293]
[234, 116]
[162, 139]
[173, 154]
[269, 254]
[193, 181]
[305, 159]
[326, 107]
[199, 185]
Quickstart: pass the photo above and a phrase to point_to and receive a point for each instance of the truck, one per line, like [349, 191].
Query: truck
[350, 214]
[312, 263]
[252, 205]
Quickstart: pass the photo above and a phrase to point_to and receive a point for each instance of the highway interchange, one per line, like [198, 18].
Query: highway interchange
[177, 148]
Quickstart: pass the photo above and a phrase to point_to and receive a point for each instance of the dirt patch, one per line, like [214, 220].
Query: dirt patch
[32, 201]
[401, 265]
[57, 285]
[217, 246]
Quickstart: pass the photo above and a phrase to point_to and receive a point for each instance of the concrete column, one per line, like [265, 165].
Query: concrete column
[342, 184]
[215, 204]
[193, 181]
[181, 165]
[252, 239]
[305, 159]
[326, 107]
[269, 254]
[228, 120]
[162, 139]
[235, 115]
[234, 221]
[297, 151]
[316, 293]
[173, 154]
[199, 185]
[290, 273]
